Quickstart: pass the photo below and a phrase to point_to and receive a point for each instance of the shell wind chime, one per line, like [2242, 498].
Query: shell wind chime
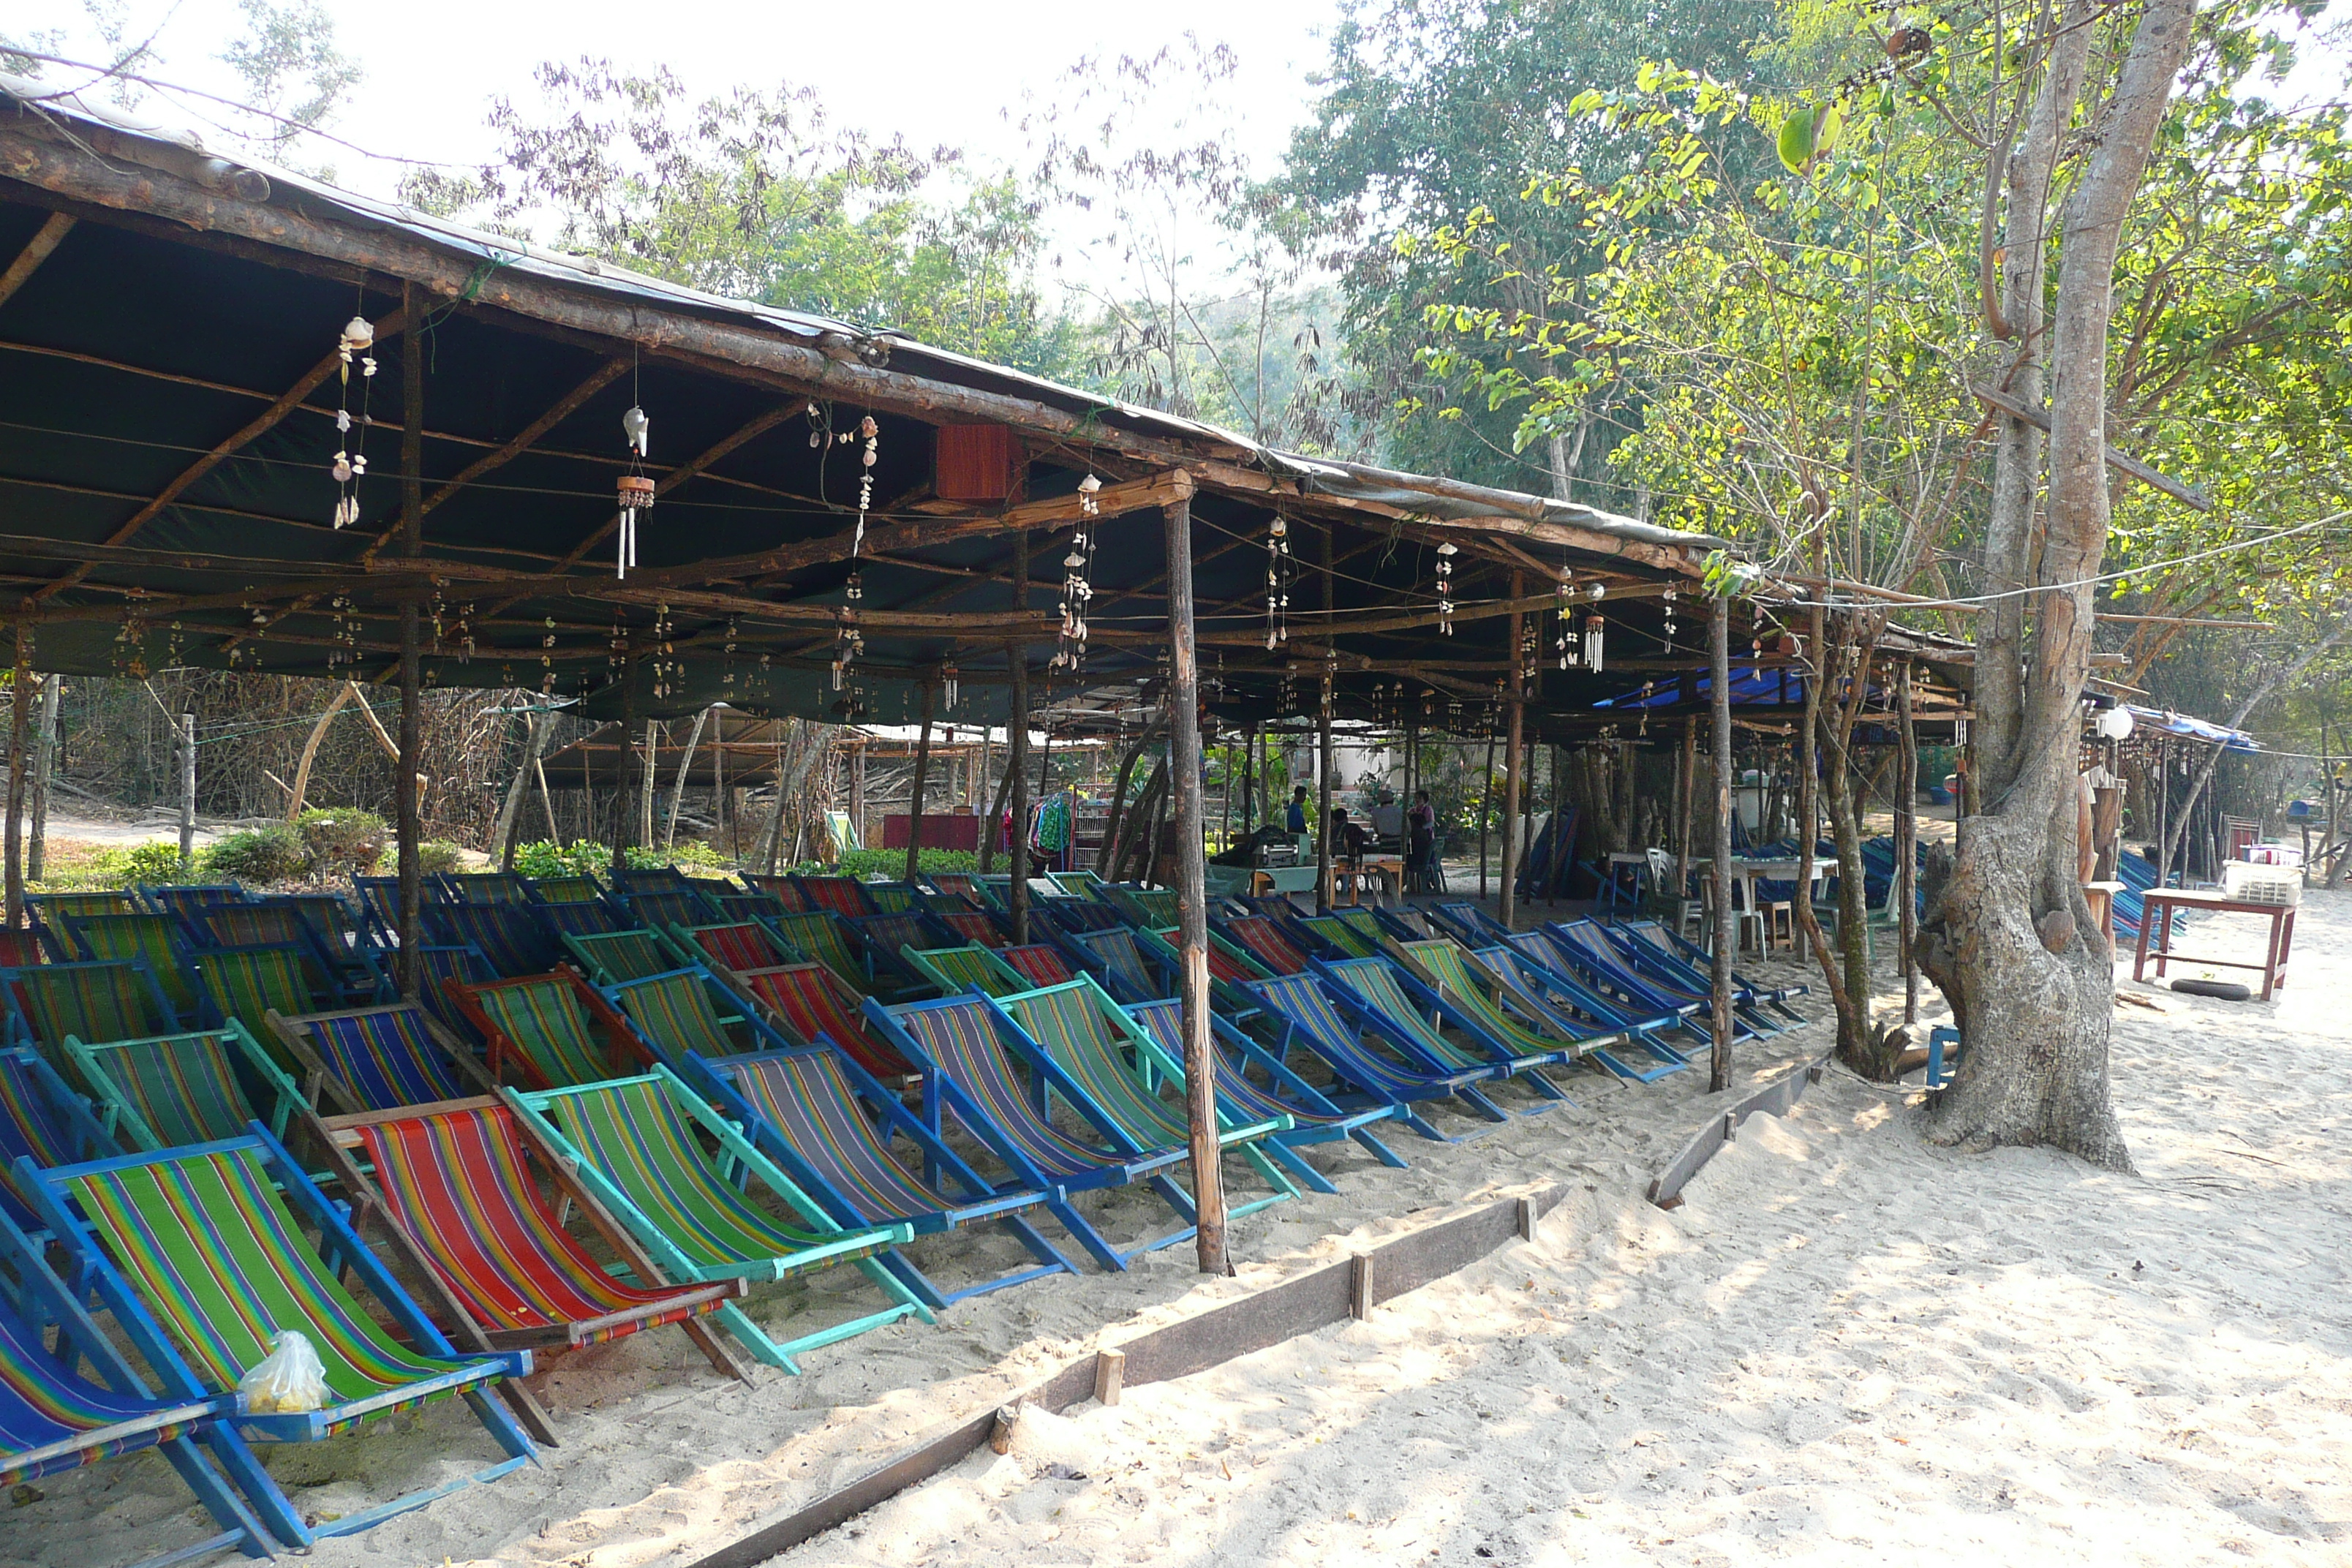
[1570, 651]
[1445, 554]
[1077, 580]
[1593, 629]
[635, 491]
[1277, 582]
[350, 466]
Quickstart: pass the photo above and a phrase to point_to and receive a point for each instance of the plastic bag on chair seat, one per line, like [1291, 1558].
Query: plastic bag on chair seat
[289, 1381]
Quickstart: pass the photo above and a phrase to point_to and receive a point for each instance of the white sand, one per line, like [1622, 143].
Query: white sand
[1846, 1347]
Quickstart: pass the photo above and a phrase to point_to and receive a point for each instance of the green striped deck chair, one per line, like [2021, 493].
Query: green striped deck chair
[1141, 906]
[1446, 968]
[49, 912]
[1040, 963]
[1349, 941]
[685, 1012]
[567, 889]
[831, 1126]
[1226, 974]
[974, 925]
[204, 1254]
[1077, 884]
[641, 1145]
[174, 1090]
[1381, 987]
[615, 956]
[893, 898]
[249, 925]
[842, 895]
[655, 910]
[821, 937]
[955, 970]
[378, 1058]
[155, 937]
[809, 1002]
[1115, 1061]
[54, 1418]
[1363, 923]
[116, 1000]
[486, 887]
[1125, 974]
[551, 1031]
[246, 983]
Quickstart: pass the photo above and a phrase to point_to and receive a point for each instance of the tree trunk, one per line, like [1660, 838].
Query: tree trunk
[2010, 940]
[537, 725]
[45, 762]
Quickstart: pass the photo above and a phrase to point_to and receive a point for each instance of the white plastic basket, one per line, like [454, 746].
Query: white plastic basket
[2262, 884]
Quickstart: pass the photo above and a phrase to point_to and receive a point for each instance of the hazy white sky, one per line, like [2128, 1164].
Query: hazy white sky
[936, 72]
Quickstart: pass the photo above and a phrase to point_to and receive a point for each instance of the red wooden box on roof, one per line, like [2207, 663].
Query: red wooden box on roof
[974, 462]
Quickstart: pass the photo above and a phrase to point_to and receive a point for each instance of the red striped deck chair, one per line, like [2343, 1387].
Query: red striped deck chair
[744, 945]
[486, 887]
[974, 926]
[215, 1244]
[1042, 962]
[842, 895]
[22, 947]
[551, 1031]
[378, 1058]
[1264, 941]
[785, 889]
[460, 1182]
[620, 955]
[686, 1011]
[964, 884]
[810, 1002]
[54, 1418]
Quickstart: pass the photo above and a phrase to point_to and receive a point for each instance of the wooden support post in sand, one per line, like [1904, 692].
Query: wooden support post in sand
[20, 730]
[1359, 1286]
[1111, 1376]
[1514, 759]
[187, 794]
[999, 1436]
[1191, 896]
[922, 771]
[406, 825]
[1529, 1217]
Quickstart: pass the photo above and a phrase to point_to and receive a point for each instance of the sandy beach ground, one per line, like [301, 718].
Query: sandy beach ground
[1846, 1347]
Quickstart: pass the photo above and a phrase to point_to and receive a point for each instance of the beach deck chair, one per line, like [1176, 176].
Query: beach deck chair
[23, 948]
[956, 970]
[736, 945]
[821, 936]
[53, 1419]
[1583, 947]
[840, 895]
[513, 937]
[202, 1254]
[1380, 988]
[460, 1184]
[259, 924]
[615, 956]
[42, 1120]
[176, 1090]
[342, 934]
[1335, 938]
[1042, 963]
[885, 937]
[600, 918]
[893, 898]
[655, 909]
[245, 983]
[1074, 916]
[1264, 941]
[784, 889]
[640, 1145]
[1161, 955]
[49, 912]
[1515, 1021]
[974, 925]
[377, 1059]
[566, 889]
[1139, 906]
[1114, 957]
[750, 906]
[978, 1068]
[161, 940]
[833, 1126]
[115, 1000]
[1652, 945]
[683, 1013]
[1372, 1064]
[1124, 1072]
[1077, 884]
[438, 965]
[1314, 1119]
[379, 901]
[1398, 920]
[1578, 1007]
[1578, 990]
[549, 1031]
[965, 886]
[811, 1004]
[187, 899]
[486, 887]
[1464, 922]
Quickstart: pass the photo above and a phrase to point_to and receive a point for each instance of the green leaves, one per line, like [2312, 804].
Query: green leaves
[1809, 135]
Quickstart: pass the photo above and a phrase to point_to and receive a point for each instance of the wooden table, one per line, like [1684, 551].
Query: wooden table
[2156, 914]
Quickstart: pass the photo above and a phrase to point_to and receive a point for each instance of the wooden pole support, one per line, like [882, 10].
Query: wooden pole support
[1359, 1286]
[1529, 1219]
[1730, 1126]
[1111, 1376]
[999, 1436]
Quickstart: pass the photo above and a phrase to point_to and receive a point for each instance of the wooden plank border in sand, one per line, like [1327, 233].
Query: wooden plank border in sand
[1300, 1305]
[1775, 1097]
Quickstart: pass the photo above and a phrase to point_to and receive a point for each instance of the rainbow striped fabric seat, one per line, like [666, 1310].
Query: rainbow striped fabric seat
[786, 889]
[1448, 967]
[811, 1004]
[1126, 976]
[1399, 1075]
[959, 969]
[891, 898]
[742, 945]
[677, 1012]
[620, 955]
[486, 887]
[152, 937]
[1340, 936]
[973, 926]
[1144, 906]
[1264, 941]
[640, 1143]
[586, 917]
[456, 1184]
[209, 1242]
[566, 889]
[115, 1000]
[510, 936]
[823, 937]
[247, 983]
[53, 1418]
[1572, 1010]
[245, 925]
[380, 1059]
[841, 895]
[671, 906]
[1409, 1010]
[172, 1090]
[1040, 963]
[965, 886]
[43, 1120]
[550, 1030]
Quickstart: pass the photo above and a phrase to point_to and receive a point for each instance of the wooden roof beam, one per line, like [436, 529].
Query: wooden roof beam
[37, 249]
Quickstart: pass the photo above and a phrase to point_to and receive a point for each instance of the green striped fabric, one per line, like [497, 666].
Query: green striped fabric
[544, 1019]
[1070, 1024]
[621, 955]
[818, 936]
[1374, 985]
[89, 1001]
[245, 983]
[1341, 935]
[138, 936]
[215, 1255]
[675, 1013]
[1446, 964]
[631, 1131]
[168, 1091]
[955, 970]
[567, 889]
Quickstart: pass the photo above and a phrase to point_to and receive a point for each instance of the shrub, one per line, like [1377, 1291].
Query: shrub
[440, 857]
[155, 863]
[341, 840]
[545, 857]
[272, 854]
[893, 862]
